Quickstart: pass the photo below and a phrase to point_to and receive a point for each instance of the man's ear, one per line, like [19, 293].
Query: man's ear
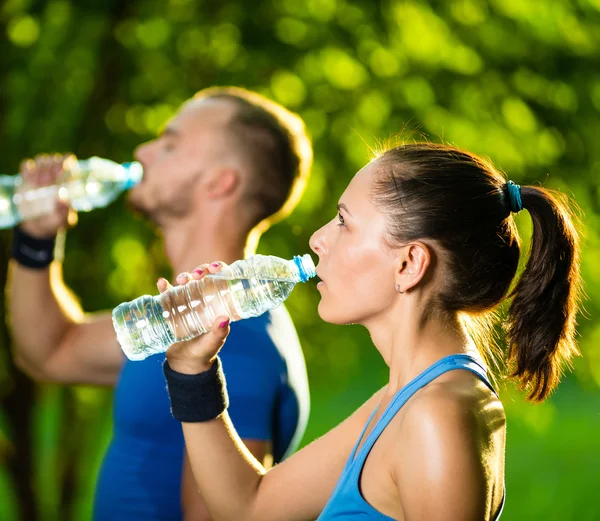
[222, 182]
[414, 260]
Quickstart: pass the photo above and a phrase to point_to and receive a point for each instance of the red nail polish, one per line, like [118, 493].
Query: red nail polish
[215, 264]
[198, 271]
[223, 325]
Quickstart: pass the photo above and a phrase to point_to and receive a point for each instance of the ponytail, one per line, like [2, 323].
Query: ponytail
[542, 316]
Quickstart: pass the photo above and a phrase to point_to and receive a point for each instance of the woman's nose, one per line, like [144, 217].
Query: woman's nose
[317, 242]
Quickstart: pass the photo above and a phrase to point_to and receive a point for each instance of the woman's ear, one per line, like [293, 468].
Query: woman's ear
[413, 263]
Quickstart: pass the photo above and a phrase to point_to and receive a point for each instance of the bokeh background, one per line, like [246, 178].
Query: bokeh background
[515, 80]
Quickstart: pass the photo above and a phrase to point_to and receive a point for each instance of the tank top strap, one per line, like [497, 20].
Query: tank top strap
[474, 365]
[351, 459]
[448, 363]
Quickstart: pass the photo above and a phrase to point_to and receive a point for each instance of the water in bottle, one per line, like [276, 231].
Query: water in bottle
[86, 184]
[247, 288]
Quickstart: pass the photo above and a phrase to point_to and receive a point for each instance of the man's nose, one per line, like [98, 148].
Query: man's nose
[143, 153]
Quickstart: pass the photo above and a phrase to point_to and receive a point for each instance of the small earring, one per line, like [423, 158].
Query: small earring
[398, 289]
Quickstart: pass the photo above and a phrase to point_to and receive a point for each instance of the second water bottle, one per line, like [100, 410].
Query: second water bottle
[86, 184]
[246, 288]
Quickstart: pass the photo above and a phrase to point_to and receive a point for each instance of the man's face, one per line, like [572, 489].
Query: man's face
[193, 142]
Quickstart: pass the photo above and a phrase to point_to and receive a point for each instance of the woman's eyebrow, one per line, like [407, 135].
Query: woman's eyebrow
[342, 206]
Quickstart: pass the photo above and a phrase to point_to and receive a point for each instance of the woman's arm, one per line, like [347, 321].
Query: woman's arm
[236, 487]
[192, 504]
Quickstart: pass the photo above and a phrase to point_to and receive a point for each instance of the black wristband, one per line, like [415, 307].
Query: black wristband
[197, 397]
[32, 252]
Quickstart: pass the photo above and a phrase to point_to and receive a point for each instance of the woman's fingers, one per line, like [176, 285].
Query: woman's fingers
[163, 285]
[197, 355]
[183, 278]
[216, 266]
[216, 336]
[207, 269]
[199, 272]
[221, 324]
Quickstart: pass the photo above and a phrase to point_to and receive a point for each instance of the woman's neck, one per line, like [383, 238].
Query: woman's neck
[409, 343]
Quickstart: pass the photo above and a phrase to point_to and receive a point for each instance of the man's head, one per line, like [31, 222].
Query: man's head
[228, 149]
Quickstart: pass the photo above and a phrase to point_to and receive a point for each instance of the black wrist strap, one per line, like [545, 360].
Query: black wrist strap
[197, 397]
[32, 252]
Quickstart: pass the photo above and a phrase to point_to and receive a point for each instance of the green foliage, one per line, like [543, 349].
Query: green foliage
[514, 80]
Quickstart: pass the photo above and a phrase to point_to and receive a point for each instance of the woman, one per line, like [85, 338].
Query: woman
[424, 247]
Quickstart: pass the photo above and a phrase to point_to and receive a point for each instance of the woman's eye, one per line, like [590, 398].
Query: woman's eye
[341, 220]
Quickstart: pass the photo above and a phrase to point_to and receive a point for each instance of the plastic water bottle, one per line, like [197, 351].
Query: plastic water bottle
[87, 184]
[246, 288]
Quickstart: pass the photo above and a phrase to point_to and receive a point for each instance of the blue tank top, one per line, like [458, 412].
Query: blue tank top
[346, 501]
[140, 478]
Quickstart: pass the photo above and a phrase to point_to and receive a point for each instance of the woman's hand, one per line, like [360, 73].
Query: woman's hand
[197, 355]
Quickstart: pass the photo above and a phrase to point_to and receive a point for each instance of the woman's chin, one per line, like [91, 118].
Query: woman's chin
[333, 316]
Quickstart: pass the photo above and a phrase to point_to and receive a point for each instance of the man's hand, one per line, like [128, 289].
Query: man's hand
[42, 171]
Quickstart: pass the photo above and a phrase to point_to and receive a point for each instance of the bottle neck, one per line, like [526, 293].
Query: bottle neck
[133, 174]
[305, 267]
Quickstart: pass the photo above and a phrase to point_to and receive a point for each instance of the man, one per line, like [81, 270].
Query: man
[227, 166]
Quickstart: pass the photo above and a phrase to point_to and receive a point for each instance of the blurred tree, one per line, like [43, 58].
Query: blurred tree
[513, 80]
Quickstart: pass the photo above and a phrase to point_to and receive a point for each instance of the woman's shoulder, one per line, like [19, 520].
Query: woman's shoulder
[456, 402]
[450, 439]
[456, 421]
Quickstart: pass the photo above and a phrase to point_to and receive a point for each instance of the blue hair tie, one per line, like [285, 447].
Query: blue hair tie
[514, 197]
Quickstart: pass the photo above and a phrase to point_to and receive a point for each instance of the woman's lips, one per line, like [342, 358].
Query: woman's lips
[320, 282]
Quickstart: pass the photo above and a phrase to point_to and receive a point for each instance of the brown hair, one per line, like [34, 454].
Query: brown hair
[278, 150]
[460, 201]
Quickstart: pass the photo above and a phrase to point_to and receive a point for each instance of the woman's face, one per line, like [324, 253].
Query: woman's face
[356, 266]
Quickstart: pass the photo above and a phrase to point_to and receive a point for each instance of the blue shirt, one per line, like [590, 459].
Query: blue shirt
[346, 502]
[266, 378]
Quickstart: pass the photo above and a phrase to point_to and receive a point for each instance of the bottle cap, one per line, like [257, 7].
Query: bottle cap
[306, 266]
[133, 174]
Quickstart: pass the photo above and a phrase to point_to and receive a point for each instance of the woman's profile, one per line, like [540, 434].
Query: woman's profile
[422, 251]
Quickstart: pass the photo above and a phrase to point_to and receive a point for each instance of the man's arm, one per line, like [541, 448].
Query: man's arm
[193, 505]
[53, 338]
